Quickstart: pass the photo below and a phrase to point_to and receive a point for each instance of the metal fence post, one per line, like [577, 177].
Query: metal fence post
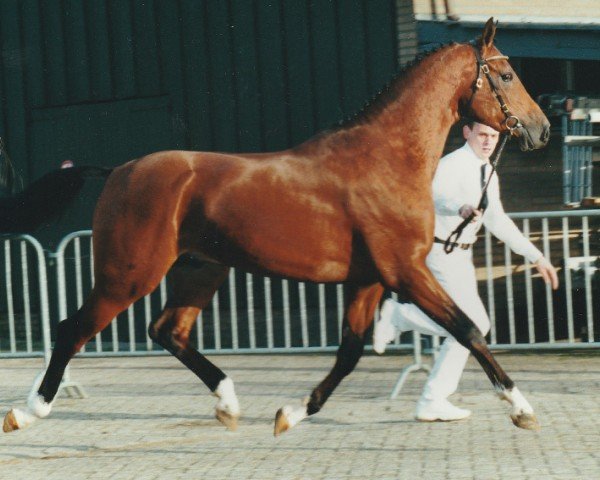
[416, 366]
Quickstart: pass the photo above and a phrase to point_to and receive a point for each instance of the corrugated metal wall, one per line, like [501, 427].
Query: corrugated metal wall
[104, 81]
[406, 31]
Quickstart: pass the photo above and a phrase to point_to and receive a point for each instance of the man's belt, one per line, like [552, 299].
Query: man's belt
[462, 246]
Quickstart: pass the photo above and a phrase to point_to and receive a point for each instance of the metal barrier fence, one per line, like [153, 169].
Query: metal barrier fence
[249, 313]
[524, 312]
[24, 305]
[258, 314]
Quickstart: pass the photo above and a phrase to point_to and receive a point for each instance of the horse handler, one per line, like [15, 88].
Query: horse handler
[457, 187]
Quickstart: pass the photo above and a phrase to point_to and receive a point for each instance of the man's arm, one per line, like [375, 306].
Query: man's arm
[499, 223]
[446, 187]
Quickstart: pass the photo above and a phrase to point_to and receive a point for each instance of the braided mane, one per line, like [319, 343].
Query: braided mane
[390, 91]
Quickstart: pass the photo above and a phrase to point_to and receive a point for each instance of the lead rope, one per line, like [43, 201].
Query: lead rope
[452, 240]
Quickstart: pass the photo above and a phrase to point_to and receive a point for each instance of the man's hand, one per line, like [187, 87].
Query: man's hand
[548, 272]
[467, 210]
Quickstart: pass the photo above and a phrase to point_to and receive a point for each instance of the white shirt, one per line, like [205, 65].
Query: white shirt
[457, 182]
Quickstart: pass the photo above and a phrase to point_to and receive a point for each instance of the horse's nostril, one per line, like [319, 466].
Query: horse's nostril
[545, 134]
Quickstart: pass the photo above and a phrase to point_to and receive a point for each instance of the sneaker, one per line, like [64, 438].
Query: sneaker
[439, 411]
[384, 332]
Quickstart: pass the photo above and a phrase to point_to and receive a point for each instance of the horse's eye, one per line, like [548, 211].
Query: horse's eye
[506, 77]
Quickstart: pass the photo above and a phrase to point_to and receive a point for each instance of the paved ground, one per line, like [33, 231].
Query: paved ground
[148, 418]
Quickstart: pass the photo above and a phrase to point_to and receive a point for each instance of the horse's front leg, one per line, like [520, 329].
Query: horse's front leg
[426, 292]
[360, 310]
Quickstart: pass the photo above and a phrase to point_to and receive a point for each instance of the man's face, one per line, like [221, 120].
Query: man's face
[482, 139]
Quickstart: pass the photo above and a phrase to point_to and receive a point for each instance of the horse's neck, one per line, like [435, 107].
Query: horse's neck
[419, 114]
[428, 99]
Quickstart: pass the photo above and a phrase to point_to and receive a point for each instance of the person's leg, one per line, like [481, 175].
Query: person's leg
[418, 281]
[457, 276]
[446, 372]
[395, 317]
[407, 316]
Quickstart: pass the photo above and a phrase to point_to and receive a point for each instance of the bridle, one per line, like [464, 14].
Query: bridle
[511, 122]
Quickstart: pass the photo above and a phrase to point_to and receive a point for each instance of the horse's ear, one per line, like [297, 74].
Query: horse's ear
[489, 31]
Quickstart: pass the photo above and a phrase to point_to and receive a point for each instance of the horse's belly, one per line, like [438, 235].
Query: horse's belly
[311, 253]
[301, 258]
[313, 265]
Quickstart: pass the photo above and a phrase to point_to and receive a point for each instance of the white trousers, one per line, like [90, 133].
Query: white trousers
[456, 274]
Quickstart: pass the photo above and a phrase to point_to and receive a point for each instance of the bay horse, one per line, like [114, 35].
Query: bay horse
[353, 205]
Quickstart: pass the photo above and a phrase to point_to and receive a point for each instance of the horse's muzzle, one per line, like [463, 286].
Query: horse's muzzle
[533, 138]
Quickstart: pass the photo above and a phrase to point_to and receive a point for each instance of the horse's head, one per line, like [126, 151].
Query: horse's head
[498, 98]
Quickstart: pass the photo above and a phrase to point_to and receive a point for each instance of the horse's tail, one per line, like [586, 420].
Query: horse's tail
[45, 199]
[9, 179]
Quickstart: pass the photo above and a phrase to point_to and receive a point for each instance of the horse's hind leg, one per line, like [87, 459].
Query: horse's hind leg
[122, 276]
[362, 302]
[428, 294]
[95, 314]
[193, 286]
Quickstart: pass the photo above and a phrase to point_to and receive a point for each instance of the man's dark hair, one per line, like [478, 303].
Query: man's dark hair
[469, 122]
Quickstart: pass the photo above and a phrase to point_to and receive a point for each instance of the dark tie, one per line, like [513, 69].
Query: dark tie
[484, 199]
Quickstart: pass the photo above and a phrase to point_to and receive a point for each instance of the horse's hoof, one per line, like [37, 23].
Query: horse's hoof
[230, 421]
[528, 421]
[281, 422]
[10, 422]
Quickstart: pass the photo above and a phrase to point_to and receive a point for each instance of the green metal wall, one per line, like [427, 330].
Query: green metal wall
[104, 81]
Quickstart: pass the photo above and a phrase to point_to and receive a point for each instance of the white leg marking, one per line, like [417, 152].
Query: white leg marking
[36, 406]
[522, 413]
[35, 402]
[23, 417]
[228, 401]
[517, 400]
[294, 415]
[519, 403]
